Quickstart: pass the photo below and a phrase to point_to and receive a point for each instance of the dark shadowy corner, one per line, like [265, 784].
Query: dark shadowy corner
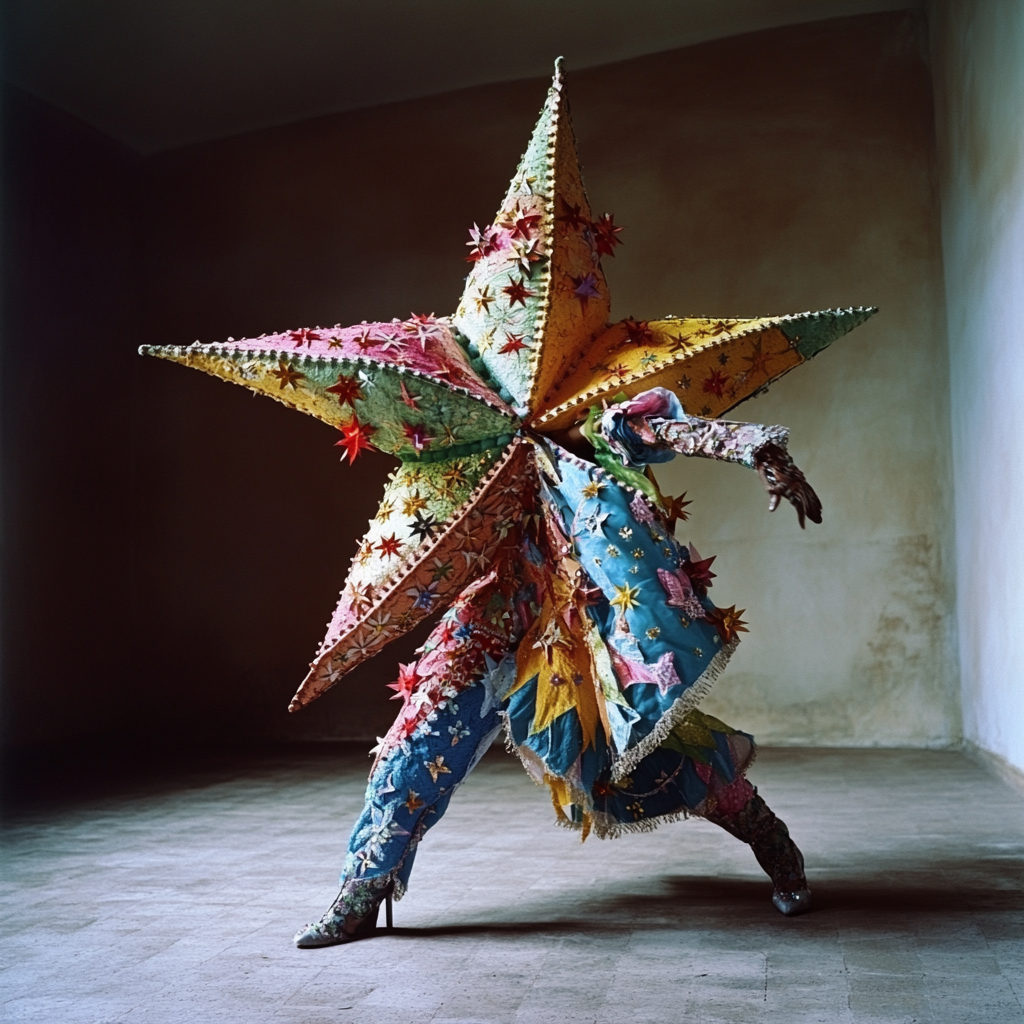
[69, 328]
[163, 585]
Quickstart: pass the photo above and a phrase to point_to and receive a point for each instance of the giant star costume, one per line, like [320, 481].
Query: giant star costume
[467, 403]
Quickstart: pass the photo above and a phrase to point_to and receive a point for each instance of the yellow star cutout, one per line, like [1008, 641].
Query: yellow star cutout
[625, 597]
[483, 299]
[413, 504]
[437, 767]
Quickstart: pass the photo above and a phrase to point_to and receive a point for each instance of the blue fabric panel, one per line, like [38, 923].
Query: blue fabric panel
[403, 797]
[593, 761]
[559, 744]
[521, 706]
[617, 551]
[721, 759]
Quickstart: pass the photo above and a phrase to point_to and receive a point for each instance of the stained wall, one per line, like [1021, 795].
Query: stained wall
[800, 178]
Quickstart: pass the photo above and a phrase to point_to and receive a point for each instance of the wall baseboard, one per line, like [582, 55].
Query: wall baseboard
[995, 764]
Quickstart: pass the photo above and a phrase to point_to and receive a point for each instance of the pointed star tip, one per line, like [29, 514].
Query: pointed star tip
[160, 351]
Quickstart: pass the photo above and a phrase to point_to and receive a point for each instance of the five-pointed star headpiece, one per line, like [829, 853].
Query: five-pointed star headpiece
[529, 349]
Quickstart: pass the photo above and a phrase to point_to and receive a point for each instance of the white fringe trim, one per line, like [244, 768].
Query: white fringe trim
[625, 762]
[604, 826]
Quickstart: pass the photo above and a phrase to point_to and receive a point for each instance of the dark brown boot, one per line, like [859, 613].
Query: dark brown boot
[767, 835]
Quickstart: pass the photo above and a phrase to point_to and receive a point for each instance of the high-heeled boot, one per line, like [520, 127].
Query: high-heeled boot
[767, 835]
[352, 915]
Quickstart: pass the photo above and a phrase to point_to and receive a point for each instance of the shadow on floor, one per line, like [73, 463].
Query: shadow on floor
[947, 887]
[935, 886]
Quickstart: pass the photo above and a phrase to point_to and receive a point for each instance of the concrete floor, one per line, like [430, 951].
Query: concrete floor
[175, 899]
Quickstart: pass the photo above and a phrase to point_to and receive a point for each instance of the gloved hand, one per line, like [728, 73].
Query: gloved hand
[782, 479]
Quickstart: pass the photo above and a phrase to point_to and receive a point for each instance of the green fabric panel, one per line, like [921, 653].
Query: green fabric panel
[812, 332]
[453, 421]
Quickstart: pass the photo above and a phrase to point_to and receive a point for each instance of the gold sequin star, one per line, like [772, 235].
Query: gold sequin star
[413, 504]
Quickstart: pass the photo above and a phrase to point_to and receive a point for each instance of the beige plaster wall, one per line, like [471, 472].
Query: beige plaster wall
[978, 53]
[776, 172]
[804, 178]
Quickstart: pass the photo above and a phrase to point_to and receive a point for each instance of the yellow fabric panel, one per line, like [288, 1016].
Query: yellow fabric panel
[566, 327]
[693, 730]
[560, 659]
[710, 364]
[285, 379]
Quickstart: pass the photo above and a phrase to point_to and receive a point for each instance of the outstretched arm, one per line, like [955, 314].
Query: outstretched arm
[725, 440]
[653, 427]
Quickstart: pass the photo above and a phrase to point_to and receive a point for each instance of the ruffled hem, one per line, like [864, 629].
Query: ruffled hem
[607, 826]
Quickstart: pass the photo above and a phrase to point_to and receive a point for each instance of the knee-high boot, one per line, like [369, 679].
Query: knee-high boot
[767, 835]
[352, 915]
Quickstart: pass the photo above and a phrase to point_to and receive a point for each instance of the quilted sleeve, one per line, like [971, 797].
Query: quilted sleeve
[654, 428]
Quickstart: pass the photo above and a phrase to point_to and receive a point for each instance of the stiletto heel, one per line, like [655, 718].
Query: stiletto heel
[352, 916]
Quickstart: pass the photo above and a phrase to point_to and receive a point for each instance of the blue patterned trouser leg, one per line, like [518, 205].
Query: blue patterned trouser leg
[410, 787]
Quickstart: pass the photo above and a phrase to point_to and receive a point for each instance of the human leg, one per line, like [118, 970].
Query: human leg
[732, 803]
[407, 794]
[448, 720]
[757, 825]
[700, 769]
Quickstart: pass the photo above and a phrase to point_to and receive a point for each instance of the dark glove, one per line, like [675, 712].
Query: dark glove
[782, 479]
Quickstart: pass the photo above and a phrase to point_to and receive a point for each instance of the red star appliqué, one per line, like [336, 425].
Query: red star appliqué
[606, 234]
[407, 679]
[573, 215]
[416, 435]
[347, 389]
[517, 292]
[304, 336]
[355, 437]
[514, 344]
[715, 383]
[389, 546]
[638, 330]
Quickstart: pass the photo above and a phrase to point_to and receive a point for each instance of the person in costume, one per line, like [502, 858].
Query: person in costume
[524, 507]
